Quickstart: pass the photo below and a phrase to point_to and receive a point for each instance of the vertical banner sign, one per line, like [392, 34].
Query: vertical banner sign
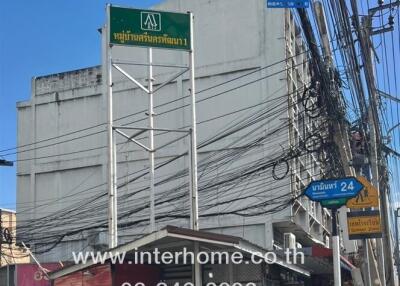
[148, 28]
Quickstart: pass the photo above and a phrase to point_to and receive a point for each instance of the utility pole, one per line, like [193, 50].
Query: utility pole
[364, 34]
[375, 182]
[341, 139]
[397, 248]
[324, 69]
[384, 203]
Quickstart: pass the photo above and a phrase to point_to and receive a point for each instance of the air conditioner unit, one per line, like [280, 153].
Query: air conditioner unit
[289, 240]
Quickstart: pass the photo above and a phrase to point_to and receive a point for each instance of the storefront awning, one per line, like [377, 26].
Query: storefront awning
[171, 237]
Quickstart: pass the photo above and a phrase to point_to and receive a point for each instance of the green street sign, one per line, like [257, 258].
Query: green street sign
[334, 203]
[148, 28]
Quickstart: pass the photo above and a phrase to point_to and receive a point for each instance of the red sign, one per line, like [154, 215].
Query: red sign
[133, 273]
[31, 275]
[99, 275]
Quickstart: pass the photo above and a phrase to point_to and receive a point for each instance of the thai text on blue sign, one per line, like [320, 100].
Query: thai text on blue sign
[333, 189]
[288, 4]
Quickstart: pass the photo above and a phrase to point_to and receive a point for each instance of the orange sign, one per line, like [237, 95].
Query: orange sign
[364, 224]
[367, 198]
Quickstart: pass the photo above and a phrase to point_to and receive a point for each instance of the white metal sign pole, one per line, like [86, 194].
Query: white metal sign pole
[151, 141]
[193, 146]
[112, 208]
[115, 194]
[335, 250]
[194, 212]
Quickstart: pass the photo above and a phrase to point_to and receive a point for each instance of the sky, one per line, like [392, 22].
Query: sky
[38, 38]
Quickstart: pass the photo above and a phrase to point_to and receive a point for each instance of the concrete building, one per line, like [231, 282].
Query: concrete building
[251, 67]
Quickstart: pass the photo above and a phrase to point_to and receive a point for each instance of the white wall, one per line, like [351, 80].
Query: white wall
[231, 39]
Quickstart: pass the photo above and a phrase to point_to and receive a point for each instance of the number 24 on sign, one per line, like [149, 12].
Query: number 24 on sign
[345, 186]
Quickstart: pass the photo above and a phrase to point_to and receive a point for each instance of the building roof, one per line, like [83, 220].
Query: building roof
[171, 235]
[7, 210]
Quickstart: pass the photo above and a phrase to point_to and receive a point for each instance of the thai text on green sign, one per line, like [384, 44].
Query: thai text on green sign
[334, 203]
[148, 28]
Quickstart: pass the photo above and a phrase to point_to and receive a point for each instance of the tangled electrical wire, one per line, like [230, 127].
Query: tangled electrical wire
[232, 178]
[238, 180]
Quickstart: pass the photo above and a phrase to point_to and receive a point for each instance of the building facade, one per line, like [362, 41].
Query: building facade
[251, 77]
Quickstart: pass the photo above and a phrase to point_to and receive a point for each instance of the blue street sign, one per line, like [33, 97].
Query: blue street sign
[288, 3]
[333, 189]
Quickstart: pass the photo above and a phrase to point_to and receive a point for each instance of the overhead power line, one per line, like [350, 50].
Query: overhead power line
[142, 111]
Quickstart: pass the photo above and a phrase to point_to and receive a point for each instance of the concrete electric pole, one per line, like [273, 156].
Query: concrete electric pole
[397, 248]
[364, 34]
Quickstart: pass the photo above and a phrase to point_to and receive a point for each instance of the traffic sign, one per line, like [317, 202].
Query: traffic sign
[342, 188]
[364, 224]
[367, 198]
